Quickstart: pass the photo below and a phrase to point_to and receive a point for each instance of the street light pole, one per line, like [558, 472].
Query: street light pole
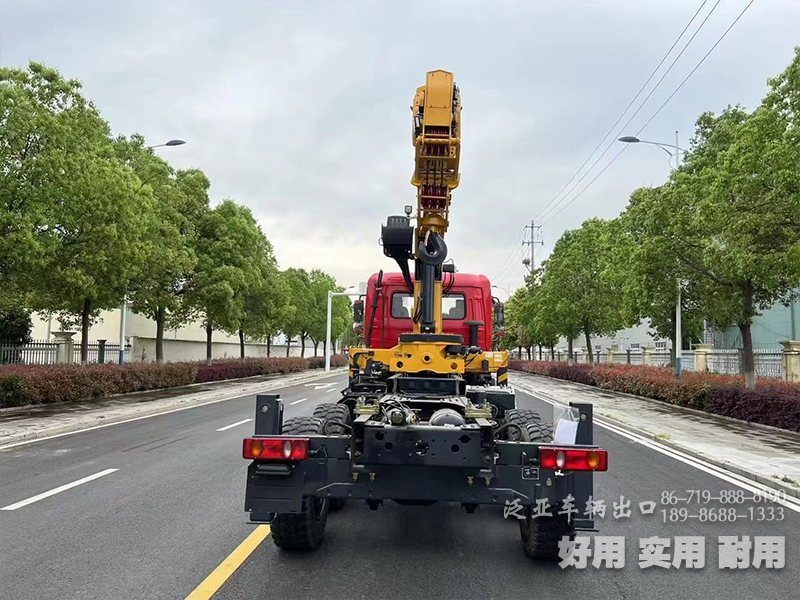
[678, 333]
[331, 294]
[123, 321]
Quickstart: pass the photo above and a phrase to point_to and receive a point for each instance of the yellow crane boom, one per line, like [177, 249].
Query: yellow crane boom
[436, 135]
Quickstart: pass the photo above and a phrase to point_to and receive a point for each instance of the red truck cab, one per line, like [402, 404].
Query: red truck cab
[466, 297]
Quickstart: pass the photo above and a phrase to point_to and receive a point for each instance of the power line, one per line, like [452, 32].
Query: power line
[697, 66]
[641, 106]
[603, 170]
[509, 264]
[702, 60]
[505, 262]
[622, 114]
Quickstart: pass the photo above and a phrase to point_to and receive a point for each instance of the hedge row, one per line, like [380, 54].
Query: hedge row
[772, 402]
[21, 385]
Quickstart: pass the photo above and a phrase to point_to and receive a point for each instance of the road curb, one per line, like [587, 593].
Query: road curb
[768, 481]
[222, 396]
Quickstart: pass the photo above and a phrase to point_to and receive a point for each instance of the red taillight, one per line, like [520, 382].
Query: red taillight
[275, 448]
[573, 459]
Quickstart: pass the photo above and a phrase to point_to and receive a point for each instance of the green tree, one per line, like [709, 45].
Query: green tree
[542, 332]
[516, 334]
[652, 272]
[734, 210]
[43, 117]
[582, 284]
[297, 316]
[170, 235]
[96, 244]
[228, 248]
[341, 320]
[321, 283]
[265, 300]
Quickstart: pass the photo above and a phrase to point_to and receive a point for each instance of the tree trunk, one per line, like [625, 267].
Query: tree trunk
[209, 332]
[241, 343]
[587, 332]
[519, 352]
[288, 345]
[528, 349]
[333, 347]
[87, 310]
[316, 346]
[540, 353]
[747, 338]
[302, 346]
[570, 360]
[160, 318]
[269, 345]
[747, 356]
[552, 352]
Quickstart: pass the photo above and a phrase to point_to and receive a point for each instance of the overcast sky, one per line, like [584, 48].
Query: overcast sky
[300, 109]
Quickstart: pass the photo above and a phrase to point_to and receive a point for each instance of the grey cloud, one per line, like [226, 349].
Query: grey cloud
[300, 109]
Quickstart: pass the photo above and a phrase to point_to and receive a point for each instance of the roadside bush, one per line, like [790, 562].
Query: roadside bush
[21, 385]
[773, 402]
[249, 367]
[318, 362]
[45, 384]
[557, 370]
[776, 405]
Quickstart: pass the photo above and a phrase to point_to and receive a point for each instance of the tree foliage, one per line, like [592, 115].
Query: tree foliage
[229, 248]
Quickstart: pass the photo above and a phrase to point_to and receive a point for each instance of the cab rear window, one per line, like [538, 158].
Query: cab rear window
[454, 306]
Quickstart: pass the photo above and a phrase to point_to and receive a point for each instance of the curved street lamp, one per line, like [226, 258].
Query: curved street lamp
[169, 143]
[630, 139]
[124, 310]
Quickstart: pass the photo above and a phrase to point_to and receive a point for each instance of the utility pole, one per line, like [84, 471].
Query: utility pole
[678, 332]
[532, 241]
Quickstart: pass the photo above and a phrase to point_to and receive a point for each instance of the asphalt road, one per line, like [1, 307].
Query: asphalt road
[171, 512]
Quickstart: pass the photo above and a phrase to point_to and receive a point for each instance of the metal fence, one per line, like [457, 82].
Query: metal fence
[36, 352]
[768, 363]
[41, 352]
[101, 354]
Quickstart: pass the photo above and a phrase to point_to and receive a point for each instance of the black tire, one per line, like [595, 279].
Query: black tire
[304, 530]
[527, 425]
[540, 536]
[336, 417]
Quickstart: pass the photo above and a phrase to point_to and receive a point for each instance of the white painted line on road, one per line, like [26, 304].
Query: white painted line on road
[697, 463]
[131, 420]
[232, 425]
[58, 490]
[319, 386]
[332, 390]
[298, 401]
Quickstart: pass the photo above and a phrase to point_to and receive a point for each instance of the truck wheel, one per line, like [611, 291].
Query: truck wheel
[540, 536]
[335, 417]
[529, 426]
[305, 530]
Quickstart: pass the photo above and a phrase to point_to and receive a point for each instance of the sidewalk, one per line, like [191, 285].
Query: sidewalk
[31, 422]
[757, 452]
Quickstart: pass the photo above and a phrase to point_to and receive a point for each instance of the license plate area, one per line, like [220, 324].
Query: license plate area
[422, 445]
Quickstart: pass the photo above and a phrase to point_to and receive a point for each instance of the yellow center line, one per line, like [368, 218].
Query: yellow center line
[227, 567]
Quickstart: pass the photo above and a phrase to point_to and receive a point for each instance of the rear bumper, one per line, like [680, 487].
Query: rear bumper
[513, 478]
[379, 462]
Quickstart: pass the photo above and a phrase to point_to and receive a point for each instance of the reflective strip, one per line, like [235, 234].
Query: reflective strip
[502, 376]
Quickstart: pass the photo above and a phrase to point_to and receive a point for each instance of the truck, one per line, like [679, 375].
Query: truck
[387, 305]
[427, 416]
